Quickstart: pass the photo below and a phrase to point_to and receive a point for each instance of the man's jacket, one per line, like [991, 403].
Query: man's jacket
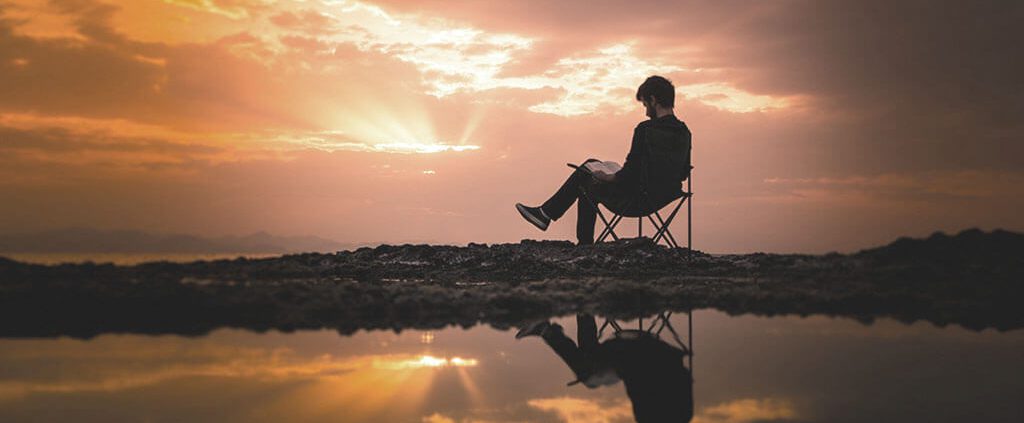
[657, 164]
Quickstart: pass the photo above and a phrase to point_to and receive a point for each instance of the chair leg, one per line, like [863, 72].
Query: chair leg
[666, 222]
[689, 231]
[668, 233]
[600, 332]
[657, 228]
[689, 220]
[689, 227]
[610, 229]
[608, 226]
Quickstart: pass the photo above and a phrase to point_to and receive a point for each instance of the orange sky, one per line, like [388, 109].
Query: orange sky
[817, 125]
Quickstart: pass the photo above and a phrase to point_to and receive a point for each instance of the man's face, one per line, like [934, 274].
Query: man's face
[649, 108]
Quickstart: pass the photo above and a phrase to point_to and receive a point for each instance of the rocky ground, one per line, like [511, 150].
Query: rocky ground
[972, 279]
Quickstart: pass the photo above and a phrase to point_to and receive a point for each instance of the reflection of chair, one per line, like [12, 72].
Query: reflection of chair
[655, 327]
[658, 381]
[657, 377]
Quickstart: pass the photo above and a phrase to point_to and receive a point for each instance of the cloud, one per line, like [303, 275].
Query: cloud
[233, 9]
[339, 141]
[450, 57]
[934, 186]
[110, 145]
[454, 58]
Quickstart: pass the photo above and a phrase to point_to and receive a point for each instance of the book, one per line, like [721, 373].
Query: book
[593, 167]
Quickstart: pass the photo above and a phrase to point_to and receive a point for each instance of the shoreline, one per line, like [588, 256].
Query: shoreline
[973, 279]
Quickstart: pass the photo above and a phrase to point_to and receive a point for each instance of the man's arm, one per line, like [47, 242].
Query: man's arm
[631, 168]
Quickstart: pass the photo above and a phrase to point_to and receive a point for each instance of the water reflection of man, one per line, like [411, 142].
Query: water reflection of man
[657, 383]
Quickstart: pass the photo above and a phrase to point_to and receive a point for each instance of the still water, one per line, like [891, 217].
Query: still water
[744, 369]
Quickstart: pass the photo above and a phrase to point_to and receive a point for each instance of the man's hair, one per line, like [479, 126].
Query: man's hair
[662, 89]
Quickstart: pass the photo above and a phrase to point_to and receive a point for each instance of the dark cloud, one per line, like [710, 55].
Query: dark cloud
[923, 84]
[57, 141]
[909, 85]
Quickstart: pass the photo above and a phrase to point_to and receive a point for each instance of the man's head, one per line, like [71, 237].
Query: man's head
[656, 92]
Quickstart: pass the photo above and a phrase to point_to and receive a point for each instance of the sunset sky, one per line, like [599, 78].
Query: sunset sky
[817, 125]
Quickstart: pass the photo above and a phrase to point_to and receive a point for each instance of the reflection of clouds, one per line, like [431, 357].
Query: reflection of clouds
[440, 418]
[125, 363]
[747, 410]
[873, 329]
[573, 410]
[437, 418]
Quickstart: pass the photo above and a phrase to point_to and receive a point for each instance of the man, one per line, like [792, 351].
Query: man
[652, 176]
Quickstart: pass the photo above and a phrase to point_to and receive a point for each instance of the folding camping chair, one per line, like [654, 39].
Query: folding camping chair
[661, 226]
[661, 229]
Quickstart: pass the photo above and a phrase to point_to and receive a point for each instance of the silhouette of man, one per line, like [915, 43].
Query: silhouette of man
[652, 176]
[659, 386]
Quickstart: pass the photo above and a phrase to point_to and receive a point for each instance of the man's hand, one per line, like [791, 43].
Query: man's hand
[603, 176]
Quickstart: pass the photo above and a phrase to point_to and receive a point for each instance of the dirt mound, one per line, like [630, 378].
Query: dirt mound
[972, 246]
[423, 286]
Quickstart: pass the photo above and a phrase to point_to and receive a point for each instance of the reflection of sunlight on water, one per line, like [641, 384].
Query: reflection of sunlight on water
[424, 362]
[383, 384]
[484, 374]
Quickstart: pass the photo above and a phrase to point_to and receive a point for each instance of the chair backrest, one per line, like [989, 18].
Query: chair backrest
[666, 164]
[668, 154]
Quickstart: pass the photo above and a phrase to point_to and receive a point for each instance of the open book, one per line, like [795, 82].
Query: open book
[606, 167]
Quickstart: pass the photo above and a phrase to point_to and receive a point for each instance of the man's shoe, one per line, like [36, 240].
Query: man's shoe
[533, 329]
[534, 215]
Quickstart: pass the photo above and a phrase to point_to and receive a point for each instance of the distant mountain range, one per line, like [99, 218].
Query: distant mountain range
[84, 240]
